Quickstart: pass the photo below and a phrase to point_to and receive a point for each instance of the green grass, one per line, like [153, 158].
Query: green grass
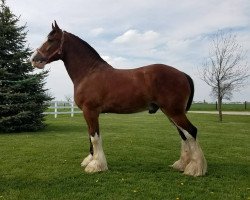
[225, 106]
[138, 147]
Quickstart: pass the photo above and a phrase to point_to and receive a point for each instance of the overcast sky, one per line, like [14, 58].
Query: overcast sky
[132, 33]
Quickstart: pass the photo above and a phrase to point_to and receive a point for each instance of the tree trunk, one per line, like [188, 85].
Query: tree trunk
[219, 108]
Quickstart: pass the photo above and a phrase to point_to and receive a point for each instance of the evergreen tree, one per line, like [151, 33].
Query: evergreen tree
[22, 97]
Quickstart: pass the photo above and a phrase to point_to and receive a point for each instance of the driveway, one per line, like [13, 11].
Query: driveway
[223, 112]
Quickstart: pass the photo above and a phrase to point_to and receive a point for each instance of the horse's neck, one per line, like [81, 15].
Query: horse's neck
[79, 60]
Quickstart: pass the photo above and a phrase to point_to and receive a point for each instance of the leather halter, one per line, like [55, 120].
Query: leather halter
[57, 51]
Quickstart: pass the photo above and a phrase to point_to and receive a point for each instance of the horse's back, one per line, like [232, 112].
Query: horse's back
[155, 84]
[164, 78]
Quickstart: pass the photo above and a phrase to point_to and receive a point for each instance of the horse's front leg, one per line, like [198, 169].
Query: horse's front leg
[96, 160]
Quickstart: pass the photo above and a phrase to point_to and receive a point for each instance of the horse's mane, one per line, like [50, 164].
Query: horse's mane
[90, 48]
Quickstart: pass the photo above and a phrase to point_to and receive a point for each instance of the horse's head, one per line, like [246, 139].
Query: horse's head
[50, 50]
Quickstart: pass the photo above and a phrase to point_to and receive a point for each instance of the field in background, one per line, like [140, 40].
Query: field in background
[63, 107]
[238, 106]
[139, 148]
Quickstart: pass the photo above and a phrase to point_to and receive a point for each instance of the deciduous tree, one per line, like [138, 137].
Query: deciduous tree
[225, 69]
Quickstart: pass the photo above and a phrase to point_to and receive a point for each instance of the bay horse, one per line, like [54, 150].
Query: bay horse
[100, 88]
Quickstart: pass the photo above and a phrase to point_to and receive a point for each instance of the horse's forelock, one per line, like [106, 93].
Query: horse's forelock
[52, 32]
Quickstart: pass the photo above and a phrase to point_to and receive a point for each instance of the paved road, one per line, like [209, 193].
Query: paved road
[223, 112]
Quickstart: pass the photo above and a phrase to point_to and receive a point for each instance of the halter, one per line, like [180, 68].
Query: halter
[58, 51]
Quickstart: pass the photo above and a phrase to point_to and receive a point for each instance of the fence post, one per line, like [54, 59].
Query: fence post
[55, 109]
[245, 105]
[216, 105]
[72, 109]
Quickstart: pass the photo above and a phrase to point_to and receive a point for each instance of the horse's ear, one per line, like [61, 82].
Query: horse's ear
[55, 26]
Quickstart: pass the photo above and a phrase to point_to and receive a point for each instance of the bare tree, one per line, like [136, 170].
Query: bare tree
[68, 98]
[225, 69]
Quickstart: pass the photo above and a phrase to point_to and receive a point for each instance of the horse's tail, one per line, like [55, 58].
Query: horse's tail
[190, 100]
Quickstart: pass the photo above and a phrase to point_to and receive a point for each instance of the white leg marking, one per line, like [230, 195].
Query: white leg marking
[198, 164]
[187, 135]
[98, 163]
[181, 164]
[87, 160]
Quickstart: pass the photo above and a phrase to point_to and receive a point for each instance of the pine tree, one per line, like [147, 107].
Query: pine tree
[22, 93]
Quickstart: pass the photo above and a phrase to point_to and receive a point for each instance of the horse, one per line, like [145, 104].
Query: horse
[100, 88]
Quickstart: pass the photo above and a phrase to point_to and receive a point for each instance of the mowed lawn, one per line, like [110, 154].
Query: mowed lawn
[139, 148]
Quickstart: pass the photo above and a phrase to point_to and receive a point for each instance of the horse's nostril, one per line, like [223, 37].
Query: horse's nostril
[36, 57]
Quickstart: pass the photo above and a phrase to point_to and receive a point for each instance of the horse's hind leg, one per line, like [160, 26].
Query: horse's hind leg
[192, 160]
[185, 157]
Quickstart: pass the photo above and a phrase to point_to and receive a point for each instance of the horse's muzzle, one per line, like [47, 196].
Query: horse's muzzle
[37, 60]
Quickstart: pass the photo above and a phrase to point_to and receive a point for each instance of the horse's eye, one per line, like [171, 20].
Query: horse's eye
[50, 39]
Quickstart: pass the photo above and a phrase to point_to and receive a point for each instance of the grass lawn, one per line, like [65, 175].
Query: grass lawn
[138, 147]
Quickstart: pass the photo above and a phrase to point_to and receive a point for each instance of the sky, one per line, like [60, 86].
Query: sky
[133, 33]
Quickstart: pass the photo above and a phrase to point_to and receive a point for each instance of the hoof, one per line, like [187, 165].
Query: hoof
[179, 166]
[87, 160]
[96, 166]
[196, 169]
